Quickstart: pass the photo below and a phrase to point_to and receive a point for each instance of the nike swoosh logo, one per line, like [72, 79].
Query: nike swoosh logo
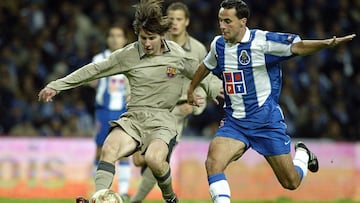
[288, 142]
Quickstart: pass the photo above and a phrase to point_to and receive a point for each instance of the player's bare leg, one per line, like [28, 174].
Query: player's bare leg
[290, 171]
[155, 158]
[285, 171]
[117, 145]
[148, 180]
[222, 152]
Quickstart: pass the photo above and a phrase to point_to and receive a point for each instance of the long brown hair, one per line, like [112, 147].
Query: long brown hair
[149, 17]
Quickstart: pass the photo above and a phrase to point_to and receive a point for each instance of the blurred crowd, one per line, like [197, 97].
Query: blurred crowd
[43, 40]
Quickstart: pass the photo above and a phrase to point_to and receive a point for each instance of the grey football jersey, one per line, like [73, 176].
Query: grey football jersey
[155, 80]
[194, 48]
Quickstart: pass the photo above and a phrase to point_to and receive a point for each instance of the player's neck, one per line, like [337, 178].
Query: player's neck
[236, 39]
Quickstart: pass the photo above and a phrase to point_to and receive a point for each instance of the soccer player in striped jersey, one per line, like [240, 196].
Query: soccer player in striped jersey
[110, 103]
[248, 62]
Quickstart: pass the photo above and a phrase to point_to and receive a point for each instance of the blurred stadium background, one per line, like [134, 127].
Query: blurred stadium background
[46, 150]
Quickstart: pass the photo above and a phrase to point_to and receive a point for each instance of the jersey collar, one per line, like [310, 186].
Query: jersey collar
[246, 37]
[142, 54]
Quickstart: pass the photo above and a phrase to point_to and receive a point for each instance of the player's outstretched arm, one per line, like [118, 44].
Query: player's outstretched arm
[83, 75]
[46, 94]
[306, 47]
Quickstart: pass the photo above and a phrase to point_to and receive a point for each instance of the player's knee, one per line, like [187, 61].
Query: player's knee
[214, 166]
[153, 160]
[208, 163]
[139, 163]
[108, 153]
[290, 184]
[156, 154]
[138, 160]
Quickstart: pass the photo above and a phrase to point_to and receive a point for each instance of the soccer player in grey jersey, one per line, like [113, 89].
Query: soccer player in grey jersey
[153, 66]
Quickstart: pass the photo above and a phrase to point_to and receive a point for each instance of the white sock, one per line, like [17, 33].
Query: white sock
[124, 174]
[220, 191]
[301, 160]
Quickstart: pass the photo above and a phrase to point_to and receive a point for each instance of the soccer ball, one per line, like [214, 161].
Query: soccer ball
[106, 196]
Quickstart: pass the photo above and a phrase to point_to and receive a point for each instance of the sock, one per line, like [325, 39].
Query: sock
[124, 174]
[300, 161]
[143, 168]
[147, 183]
[104, 175]
[96, 165]
[165, 184]
[219, 188]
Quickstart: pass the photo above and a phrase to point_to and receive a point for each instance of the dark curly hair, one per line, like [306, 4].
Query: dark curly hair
[242, 10]
[149, 17]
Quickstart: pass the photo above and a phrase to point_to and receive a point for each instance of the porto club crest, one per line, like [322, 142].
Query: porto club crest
[244, 58]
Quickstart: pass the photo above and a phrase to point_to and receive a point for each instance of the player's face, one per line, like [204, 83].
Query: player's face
[150, 42]
[179, 21]
[232, 28]
[116, 39]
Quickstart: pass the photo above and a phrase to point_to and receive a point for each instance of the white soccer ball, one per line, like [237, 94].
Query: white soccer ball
[106, 196]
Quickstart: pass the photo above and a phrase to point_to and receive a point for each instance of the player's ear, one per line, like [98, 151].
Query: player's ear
[162, 36]
[243, 21]
[187, 22]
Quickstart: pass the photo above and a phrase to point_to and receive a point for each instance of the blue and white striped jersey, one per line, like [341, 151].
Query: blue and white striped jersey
[111, 91]
[251, 74]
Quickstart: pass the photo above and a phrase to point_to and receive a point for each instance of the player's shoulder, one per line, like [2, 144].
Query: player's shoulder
[129, 47]
[172, 45]
[258, 32]
[196, 43]
[175, 49]
[218, 39]
[128, 50]
[267, 33]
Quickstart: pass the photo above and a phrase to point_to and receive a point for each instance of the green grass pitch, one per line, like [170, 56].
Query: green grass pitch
[280, 200]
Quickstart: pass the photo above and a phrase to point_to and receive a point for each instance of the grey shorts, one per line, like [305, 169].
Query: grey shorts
[147, 124]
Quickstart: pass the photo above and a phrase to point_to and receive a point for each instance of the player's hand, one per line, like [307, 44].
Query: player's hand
[186, 109]
[338, 40]
[220, 95]
[46, 94]
[195, 99]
